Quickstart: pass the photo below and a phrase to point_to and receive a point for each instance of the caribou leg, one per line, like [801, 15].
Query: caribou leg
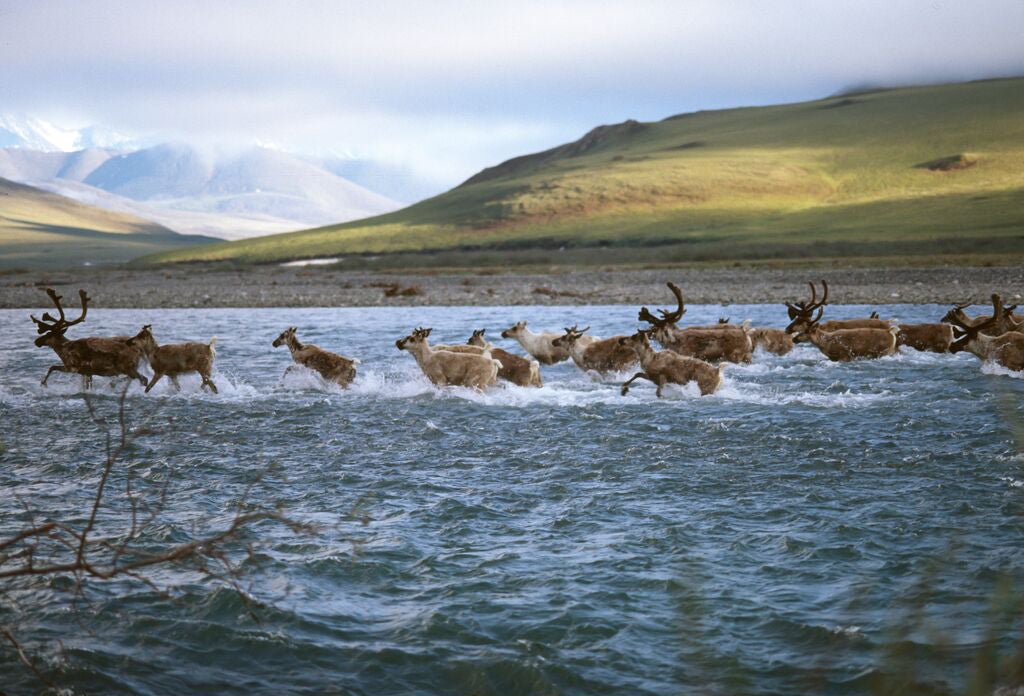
[207, 382]
[152, 382]
[661, 385]
[638, 375]
[135, 374]
[54, 368]
[175, 382]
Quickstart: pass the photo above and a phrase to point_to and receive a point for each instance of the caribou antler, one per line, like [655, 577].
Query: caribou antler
[667, 317]
[645, 315]
[674, 317]
[60, 324]
[805, 309]
[814, 322]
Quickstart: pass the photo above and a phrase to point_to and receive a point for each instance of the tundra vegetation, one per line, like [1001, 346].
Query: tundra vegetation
[850, 176]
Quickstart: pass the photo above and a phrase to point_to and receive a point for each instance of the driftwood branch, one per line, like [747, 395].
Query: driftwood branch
[49, 547]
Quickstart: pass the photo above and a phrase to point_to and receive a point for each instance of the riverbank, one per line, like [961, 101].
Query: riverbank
[313, 286]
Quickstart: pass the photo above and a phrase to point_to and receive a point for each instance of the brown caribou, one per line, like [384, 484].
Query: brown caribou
[176, 359]
[94, 356]
[601, 355]
[1006, 349]
[848, 344]
[539, 345]
[668, 367]
[715, 343]
[800, 314]
[331, 366]
[931, 338]
[444, 367]
[1005, 319]
[775, 341]
[514, 368]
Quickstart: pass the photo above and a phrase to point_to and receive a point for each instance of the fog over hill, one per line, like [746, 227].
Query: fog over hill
[236, 195]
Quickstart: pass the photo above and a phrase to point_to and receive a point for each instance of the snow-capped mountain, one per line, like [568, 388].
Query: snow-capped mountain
[28, 133]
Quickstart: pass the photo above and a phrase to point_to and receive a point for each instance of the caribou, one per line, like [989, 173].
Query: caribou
[175, 359]
[331, 366]
[1006, 349]
[668, 367]
[514, 368]
[842, 345]
[445, 367]
[601, 355]
[931, 338]
[94, 356]
[723, 341]
[1005, 319]
[775, 341]
[539, 345]
[800, 314]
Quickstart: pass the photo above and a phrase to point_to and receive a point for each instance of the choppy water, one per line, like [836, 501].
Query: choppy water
[813, 527]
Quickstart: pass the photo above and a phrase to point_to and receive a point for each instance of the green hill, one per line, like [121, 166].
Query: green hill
[44, 230]
[935, 170]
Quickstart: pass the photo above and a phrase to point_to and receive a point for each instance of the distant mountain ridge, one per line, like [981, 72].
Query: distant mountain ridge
[249, 193]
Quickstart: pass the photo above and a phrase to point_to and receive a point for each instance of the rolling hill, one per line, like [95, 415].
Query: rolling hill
[39, 229]
[934, 170]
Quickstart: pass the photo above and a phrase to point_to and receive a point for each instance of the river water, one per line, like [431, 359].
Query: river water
[812, 528]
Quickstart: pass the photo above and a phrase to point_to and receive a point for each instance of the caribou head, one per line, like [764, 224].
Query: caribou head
[800, 313]
[286, 337]
[418, 335]
[51, 328]
[572, 334]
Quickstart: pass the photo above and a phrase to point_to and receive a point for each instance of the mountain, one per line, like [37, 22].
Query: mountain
[921, 171]
[253, 192]
[165, 171]
[37, 134]
[43, 230]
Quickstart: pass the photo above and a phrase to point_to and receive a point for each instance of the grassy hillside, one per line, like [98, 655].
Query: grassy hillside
[44, 230]
[916, 171]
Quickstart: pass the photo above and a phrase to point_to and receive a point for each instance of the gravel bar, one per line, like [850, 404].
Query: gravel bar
[325, 287]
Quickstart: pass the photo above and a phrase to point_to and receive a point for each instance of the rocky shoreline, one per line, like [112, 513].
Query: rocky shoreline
[325, 287]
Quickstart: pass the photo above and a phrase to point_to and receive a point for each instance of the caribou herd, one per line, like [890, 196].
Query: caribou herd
[691, 353]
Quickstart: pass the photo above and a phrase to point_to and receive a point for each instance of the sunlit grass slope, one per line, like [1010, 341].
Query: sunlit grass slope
[923, 170]
[44, 230]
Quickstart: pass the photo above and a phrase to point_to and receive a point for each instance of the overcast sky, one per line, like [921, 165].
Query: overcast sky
[450, 87]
